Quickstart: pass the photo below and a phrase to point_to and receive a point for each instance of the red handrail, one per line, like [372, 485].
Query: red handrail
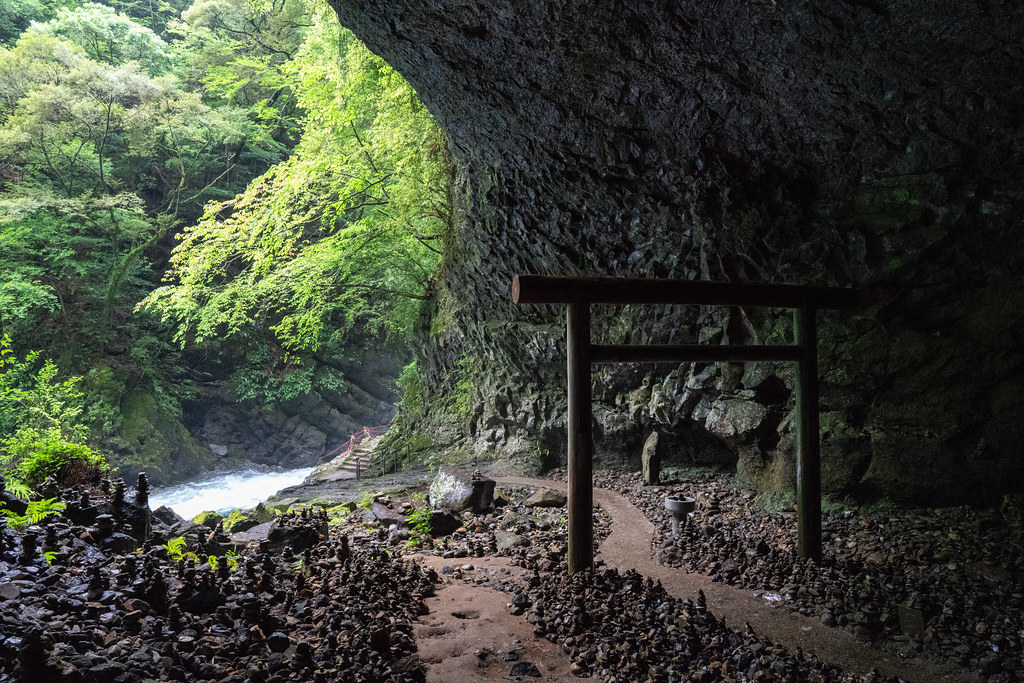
[354, 440]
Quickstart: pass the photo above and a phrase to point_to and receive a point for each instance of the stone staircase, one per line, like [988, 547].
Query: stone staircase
[348, 466]
[344, 466]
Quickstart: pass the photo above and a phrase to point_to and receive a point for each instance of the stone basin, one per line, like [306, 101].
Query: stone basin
[679, 507]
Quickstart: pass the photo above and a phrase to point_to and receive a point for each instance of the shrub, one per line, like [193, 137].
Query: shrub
[419, 519]
[39, 456]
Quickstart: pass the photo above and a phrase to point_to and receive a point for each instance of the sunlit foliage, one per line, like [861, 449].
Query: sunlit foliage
[343, 237]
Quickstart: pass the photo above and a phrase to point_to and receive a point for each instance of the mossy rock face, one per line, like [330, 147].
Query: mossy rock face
[243, 520]
[208, 518]
[154, 440]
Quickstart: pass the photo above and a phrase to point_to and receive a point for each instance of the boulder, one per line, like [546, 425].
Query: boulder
[457, 490]
[650, 458]
[386, 516]
[735, 419]
[506, 540]
[167, 516]
[13, 503]
[208, 519]
[259, 532]
[546, 498]
[512, 520]
[243, 520]
[299, 537]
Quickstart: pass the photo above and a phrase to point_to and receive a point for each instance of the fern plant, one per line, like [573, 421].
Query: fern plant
[18, 488]
[419, 520]
[176, 548]
[37, 511]
[231, 557]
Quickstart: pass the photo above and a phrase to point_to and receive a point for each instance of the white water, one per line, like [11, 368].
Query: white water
[225, 492]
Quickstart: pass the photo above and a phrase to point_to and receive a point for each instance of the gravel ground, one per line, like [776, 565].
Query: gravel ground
[945, 581]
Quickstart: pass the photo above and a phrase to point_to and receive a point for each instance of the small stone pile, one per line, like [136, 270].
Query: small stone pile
[96, 610]
[948, 581]
[530, 529]
[622, 627]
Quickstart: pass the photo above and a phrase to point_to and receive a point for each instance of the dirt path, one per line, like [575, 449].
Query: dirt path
[469, 634]
[629, 547]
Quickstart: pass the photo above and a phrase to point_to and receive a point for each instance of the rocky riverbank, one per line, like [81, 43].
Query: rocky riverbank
[324, 596]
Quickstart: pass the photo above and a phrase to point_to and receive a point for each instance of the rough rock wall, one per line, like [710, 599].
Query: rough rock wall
[297, 432]
[874, 143]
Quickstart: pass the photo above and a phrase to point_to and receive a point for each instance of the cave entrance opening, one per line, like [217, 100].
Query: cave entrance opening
[579, 294]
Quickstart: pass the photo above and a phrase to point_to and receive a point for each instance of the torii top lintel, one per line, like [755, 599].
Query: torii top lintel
[544, 289]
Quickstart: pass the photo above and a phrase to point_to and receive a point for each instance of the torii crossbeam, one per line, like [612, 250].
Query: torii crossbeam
[580, 293]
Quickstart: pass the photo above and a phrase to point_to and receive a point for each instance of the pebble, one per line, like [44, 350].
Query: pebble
[154, 618]
[880, 560]
[340, 608]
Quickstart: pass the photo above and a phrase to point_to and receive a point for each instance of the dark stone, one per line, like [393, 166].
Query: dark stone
[167, 516]
[278, 642]
[259, 532]
[386, 516]
[105, 672]
[520, 669]
[120, 543]
[298, 536]
[444, 522]
[13, 503]
[380, 640]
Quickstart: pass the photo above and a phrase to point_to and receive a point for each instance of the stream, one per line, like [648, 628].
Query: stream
[225, 491]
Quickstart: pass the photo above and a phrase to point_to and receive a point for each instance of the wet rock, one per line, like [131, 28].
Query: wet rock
[546, 498]
[457, 490]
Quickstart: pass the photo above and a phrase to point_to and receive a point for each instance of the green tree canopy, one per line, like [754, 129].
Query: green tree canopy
[16, 16]
[342, 238]
[110, 37]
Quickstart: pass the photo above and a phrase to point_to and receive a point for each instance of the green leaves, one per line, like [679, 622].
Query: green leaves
[37, 511]
[341, 239]
[36, 399]
[40, 429]
[109, 37]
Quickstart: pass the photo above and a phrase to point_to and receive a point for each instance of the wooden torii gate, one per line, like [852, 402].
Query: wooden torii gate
[580, 293]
